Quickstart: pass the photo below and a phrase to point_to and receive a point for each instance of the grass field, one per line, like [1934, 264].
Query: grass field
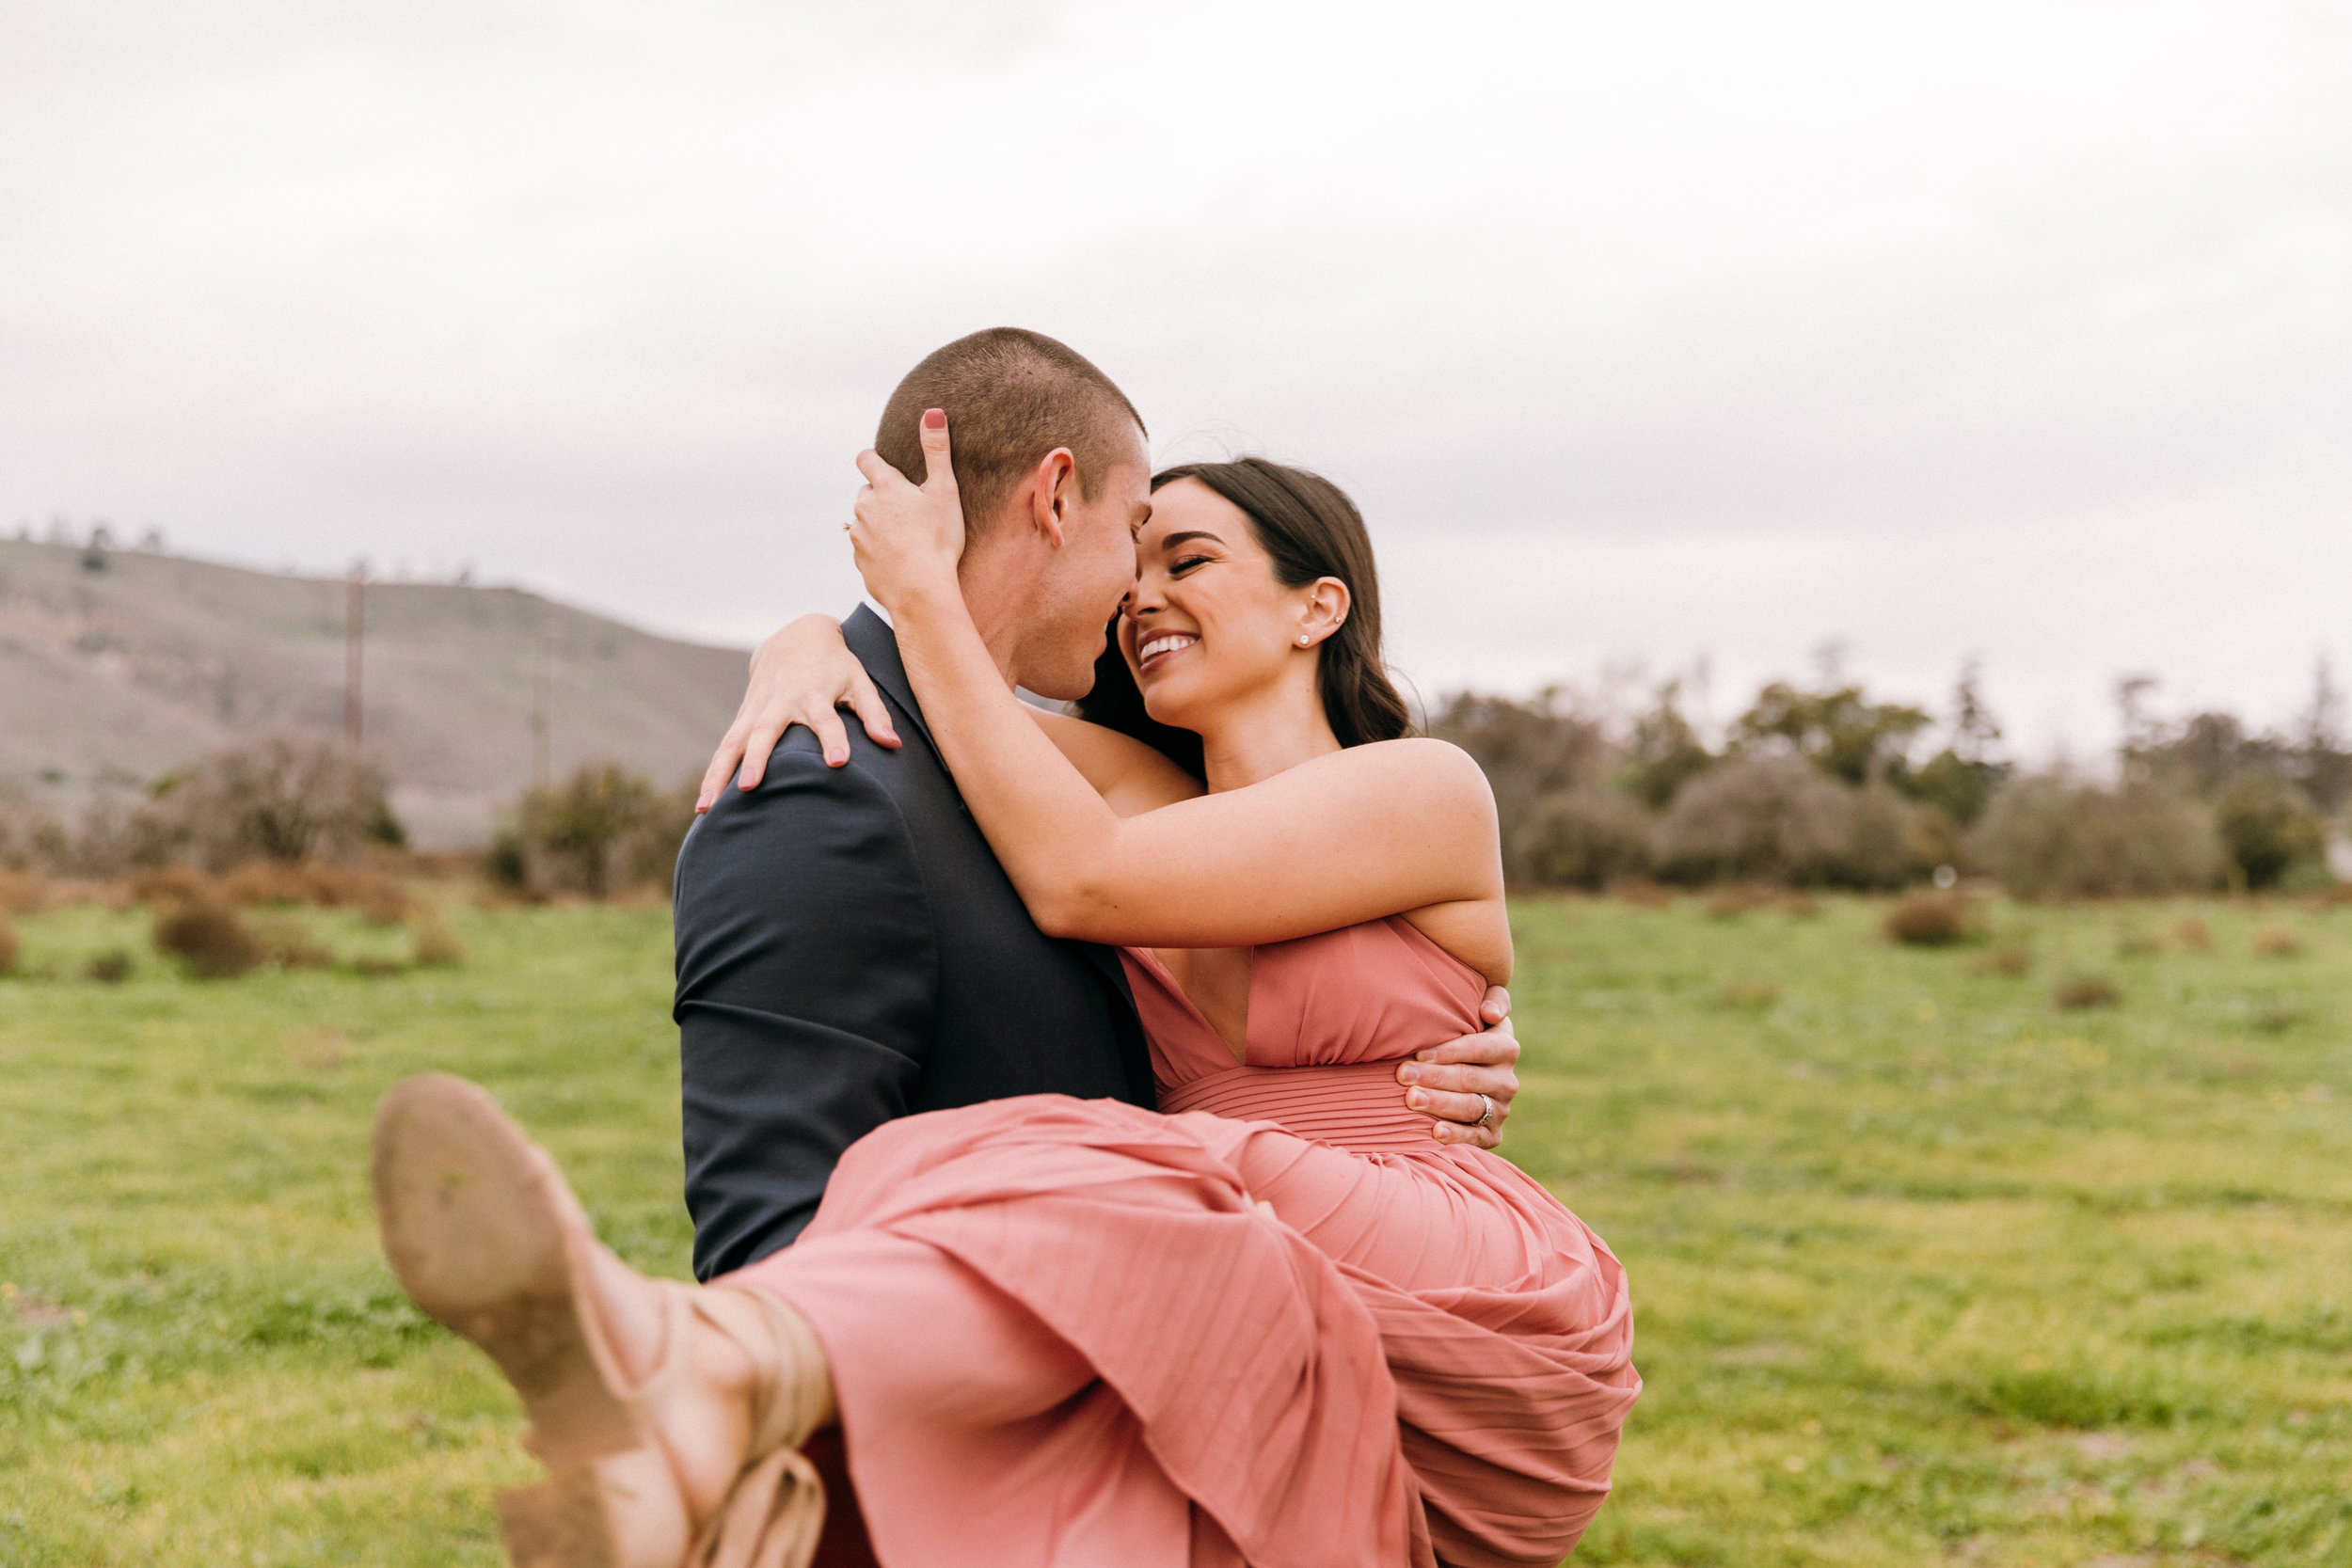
[1927, 1270]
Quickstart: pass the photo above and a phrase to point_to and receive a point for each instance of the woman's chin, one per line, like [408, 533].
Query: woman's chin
[1168, 707]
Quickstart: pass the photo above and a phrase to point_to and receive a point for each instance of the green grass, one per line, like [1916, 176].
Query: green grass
[1925, 1269]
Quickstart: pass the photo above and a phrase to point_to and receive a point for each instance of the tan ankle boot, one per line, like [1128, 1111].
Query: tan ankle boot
[485, 1236]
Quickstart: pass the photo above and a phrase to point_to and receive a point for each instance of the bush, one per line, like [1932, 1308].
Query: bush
[1587, 837]
[207, 935]
[1930, 919]
[11, 949]
[2267, 827]
[1780, 819]
[2052, 836]
[280, 800]
[601, 830]
[1882, 848]
[110, 968]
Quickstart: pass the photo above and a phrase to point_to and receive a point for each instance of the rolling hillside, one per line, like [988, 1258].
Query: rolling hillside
[116, 668]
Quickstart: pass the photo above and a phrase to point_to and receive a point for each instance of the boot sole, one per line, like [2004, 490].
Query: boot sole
[474, 1222]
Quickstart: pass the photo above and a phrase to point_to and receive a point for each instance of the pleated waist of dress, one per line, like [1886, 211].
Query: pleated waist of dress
[1352, 1106]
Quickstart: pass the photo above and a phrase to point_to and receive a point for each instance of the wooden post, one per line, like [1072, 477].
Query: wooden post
[355, 639]
[542, 691]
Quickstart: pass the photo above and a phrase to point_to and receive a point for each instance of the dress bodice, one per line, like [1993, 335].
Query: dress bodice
[1329, 1017]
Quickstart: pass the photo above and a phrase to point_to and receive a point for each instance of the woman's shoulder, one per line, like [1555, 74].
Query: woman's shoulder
[1131, 777]
[1428, 764]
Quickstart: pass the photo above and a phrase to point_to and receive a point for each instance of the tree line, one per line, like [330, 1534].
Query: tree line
[1824, 785]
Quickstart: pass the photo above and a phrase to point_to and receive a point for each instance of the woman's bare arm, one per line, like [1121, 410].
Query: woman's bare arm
[803, 674]
[1389, 828]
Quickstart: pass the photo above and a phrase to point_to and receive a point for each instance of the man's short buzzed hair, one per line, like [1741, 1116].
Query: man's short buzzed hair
[1010, 396]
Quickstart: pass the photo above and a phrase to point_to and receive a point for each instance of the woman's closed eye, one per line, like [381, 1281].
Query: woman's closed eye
[1178, 568]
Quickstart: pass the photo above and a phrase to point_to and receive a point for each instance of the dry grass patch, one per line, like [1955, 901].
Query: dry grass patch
[1740, 898]
[1753, 995]
[2084, 988]
[2273, 942]
[2006, 961]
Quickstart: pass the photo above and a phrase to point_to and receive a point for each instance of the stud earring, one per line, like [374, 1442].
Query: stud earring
[1302, 642]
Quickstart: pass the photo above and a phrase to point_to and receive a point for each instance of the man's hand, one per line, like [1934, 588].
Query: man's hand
[802, 674]
[1445, 1081]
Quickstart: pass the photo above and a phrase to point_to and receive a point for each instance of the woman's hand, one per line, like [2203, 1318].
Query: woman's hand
[801, 675]
[909, 539]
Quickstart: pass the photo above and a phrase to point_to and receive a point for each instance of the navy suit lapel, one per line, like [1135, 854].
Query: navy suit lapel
[877, 648]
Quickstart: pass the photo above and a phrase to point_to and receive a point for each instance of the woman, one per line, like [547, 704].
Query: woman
[1277, 1324]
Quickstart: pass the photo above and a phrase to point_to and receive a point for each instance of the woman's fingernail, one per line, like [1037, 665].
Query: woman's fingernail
[935, 418]
[1418, 1099]
[1408, 1073]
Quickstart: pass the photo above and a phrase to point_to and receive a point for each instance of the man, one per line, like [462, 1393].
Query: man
[849, 950]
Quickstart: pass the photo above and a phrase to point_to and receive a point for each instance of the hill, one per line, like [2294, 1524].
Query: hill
[116, 668]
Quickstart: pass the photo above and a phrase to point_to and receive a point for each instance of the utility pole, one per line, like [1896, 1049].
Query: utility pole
[542, 691]
[355, 639]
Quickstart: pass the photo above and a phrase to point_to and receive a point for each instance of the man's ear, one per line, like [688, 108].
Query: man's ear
[1053, 490]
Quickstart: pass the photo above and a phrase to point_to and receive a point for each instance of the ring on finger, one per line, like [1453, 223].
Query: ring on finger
[1488, 1119]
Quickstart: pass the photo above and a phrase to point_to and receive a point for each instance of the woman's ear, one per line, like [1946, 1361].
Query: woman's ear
[1324, 613]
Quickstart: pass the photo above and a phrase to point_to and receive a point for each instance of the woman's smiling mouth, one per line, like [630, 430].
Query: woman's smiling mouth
[1160, 647]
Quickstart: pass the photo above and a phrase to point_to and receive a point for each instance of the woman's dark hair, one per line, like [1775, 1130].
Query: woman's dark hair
[1312, 530]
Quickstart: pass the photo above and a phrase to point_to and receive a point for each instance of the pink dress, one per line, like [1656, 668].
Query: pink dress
[1277, 1326]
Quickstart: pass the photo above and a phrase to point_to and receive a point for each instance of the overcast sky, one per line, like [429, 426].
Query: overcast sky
[1643, 334]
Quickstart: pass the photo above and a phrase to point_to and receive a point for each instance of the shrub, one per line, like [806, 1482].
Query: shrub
[2267, 827]
[2052, 836]
[2007, 961]
[2083, 989]
[207, 935]
[279, 800]
[600, 830]
[1930, 919]
[1587, 837]
[110, 968]
[1770, 818]
[11, 949]
[1883, 841]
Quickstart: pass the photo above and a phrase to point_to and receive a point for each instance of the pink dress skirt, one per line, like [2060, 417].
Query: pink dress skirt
[1277, 1326]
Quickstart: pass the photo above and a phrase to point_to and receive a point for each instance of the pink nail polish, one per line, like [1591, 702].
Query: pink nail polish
[935, 418]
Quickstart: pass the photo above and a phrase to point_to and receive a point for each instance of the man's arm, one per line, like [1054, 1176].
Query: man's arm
[806, 981]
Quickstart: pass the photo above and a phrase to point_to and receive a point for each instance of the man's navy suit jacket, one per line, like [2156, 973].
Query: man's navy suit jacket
[849, 950]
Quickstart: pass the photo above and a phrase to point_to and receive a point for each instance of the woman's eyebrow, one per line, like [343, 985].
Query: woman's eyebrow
[1171, 541]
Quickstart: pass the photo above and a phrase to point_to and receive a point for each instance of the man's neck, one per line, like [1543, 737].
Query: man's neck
[995, 591]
